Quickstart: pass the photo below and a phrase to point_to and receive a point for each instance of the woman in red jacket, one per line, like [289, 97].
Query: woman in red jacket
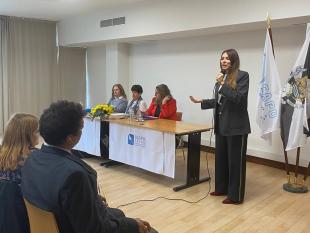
[163, 105]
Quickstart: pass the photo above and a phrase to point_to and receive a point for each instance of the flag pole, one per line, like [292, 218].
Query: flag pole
[296, 168]
[294, 185]
[307, 172]
[297, 162]
[286, 164]
[271, 39]
[270, 32]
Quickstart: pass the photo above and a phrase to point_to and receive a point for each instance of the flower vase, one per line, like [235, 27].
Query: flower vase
[104, 117]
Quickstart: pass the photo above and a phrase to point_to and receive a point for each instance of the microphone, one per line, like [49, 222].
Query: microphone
[224, 74]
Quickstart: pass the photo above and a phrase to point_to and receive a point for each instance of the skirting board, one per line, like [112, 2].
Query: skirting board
[262, 161]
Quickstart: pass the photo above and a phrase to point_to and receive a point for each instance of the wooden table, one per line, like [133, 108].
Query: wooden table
[178, 128]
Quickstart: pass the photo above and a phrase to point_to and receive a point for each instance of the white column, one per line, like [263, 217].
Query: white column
[96, 75]
[117, 66]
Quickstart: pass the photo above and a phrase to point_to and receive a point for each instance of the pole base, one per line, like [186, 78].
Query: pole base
[293, 188]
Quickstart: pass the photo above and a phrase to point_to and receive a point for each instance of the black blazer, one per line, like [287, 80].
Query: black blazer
[231, 117]
[57, 181]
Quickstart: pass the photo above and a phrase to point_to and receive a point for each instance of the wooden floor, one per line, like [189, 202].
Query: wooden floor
[267, 208]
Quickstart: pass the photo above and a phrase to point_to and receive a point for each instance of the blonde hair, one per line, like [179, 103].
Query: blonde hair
[231, 79]
[17, 140]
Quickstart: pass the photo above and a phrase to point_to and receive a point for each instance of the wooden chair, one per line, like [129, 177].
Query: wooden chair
[41, 220]
[179, 139]
[179, 116]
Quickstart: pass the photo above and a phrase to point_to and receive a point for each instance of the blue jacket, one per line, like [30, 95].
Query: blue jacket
[59, 182]
[13, 213]
[119, 104]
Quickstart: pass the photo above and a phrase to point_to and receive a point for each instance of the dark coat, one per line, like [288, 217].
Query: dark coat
[59, 182]
[13, 213]
[231, 117]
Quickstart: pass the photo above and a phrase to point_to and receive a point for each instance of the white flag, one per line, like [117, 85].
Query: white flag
[269, 97]
[295, 101]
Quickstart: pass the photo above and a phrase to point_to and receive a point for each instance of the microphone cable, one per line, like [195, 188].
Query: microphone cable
[171, 199]
[181, 199]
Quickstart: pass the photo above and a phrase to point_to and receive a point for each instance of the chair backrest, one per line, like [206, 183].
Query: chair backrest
[41, 220]
[179, 116]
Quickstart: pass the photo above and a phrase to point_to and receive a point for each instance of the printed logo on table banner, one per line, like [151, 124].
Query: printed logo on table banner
[136, 140]
[131, 139]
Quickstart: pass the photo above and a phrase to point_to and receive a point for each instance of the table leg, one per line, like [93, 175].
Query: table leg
[193, 162]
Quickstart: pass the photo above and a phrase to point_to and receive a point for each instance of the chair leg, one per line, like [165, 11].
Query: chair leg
[180, 145]
[183, 154]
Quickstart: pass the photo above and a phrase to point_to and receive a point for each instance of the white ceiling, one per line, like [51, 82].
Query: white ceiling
[56, 9]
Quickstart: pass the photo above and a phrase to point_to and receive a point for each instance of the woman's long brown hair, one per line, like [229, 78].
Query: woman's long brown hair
[163, 91]
[232, 73]
[17, 140]
[120, 87]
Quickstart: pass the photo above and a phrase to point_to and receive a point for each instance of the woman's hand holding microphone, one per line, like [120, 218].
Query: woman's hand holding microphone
[220, 78]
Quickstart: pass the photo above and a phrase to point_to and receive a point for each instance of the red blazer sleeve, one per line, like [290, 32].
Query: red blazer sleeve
[152, 108]
[169, 110]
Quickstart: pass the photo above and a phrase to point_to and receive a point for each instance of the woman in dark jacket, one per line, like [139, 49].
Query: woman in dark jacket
[231, 127]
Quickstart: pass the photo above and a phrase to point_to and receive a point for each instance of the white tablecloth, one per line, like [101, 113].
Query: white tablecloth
[90, 138]
[144, 148]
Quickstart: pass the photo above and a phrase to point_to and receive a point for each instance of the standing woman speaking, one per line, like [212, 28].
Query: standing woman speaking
[231, 127]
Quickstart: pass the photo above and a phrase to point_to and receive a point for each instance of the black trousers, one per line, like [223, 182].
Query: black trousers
[230, 165]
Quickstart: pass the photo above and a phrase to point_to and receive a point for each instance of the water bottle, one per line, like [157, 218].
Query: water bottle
[131, 114]
[140, 116]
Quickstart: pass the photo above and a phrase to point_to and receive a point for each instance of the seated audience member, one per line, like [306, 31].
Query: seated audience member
[57, 181]
[118, 99]
[20, 136]
[163, 105]
[137, 104]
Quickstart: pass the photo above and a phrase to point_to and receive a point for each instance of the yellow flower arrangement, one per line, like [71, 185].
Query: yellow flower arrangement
[101, 110]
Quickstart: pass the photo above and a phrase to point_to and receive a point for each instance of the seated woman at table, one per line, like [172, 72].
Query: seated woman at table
[163, 105]
[118, 99]
[137, 104]
[20, 137]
